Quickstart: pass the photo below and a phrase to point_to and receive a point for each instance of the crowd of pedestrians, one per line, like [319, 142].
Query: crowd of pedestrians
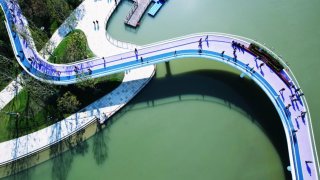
[238, 46]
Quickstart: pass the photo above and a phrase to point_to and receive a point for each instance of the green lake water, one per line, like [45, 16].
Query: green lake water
[197, 119]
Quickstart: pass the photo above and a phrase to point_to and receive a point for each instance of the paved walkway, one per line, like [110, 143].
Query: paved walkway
[298, 127]
[9, 92]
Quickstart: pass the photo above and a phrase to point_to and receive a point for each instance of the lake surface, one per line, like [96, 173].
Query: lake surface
[197, 119]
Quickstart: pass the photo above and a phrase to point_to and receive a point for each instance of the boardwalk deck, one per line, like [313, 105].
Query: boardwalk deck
[135, 14]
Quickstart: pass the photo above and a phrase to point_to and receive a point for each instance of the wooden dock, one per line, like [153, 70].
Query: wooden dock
[136, 12]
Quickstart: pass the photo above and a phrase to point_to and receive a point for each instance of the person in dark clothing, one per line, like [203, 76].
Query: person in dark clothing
[97, 22]
[207, 40]
[76, 69]
[281, 90]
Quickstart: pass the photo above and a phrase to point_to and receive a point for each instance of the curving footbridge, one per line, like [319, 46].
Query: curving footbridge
[280, 85]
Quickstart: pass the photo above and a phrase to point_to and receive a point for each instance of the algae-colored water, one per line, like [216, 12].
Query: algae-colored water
[197, 119]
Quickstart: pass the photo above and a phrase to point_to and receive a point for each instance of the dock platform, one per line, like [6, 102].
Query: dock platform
[136, 12]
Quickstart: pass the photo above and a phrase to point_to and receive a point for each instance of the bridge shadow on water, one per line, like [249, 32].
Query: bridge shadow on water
[241, 95]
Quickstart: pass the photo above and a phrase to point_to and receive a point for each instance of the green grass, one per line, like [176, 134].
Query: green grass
[62, 49]
[13, 126]
[7, 120]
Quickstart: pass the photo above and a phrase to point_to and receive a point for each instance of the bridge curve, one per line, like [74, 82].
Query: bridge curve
[228, 49]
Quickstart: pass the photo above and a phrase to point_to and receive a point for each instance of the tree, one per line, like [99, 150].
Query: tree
[37, 36]
[34, 8]
[68, 103]
[49, 14]
[9, 69]
[76, 48]
[38, 91]
[85, 81]
[74, 3]
[58, 9]
[5, 49]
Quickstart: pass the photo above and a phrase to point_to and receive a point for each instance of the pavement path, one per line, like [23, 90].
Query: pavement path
[9, 92]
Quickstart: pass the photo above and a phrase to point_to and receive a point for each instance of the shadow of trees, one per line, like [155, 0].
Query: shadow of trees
[20, 169]
[99, 147]
[64, 153]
